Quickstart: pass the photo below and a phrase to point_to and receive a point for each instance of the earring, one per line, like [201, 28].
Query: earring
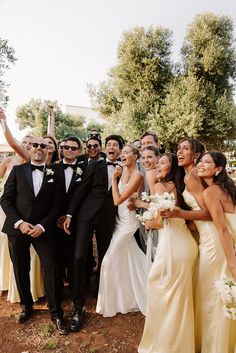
[195, 161]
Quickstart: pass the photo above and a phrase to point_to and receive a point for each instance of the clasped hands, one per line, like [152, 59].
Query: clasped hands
[30, 229]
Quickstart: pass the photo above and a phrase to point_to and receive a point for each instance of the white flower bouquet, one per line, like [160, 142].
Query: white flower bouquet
[226, 289]
[157, 203]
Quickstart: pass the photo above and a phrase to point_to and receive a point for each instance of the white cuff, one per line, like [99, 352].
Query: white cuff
[40, 225]
[16, 225]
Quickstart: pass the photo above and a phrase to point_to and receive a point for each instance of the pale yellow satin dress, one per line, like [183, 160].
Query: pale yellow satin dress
[215, 333]
[169, 325]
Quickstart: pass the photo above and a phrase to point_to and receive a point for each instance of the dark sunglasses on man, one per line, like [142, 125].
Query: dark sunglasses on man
[73, 148]
[90, 146]
[36, 145]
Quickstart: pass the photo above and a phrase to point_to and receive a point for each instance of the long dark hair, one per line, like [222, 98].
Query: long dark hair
[176, 175]
[55, 155]
[222, 179]
[196, 146]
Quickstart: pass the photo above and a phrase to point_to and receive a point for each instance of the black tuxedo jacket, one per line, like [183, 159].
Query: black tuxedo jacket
[83, 159]
[19, 201]
[75, 181]
[92, 195]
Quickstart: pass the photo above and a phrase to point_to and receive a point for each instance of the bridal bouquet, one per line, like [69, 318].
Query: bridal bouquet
[157, 203]
[226, 289]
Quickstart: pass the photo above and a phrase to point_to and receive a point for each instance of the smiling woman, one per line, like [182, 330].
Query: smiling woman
[169, 286]
[123, 280]
[217, 253]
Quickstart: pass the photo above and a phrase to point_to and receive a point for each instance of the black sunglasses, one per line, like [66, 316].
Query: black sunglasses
[73, 148]
[36, 145]
[92, 146]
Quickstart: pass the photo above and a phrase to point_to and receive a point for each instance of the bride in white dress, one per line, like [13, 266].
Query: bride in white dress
[122, 286]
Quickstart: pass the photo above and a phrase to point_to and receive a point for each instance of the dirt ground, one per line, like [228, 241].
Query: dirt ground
[121, 333]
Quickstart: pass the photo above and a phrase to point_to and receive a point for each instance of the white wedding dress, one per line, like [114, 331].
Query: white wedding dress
[122, 286]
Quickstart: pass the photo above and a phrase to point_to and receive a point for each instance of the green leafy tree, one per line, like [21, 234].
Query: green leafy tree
[7, 57]
[192, 108]
[209, 52]
[137, 84]
[35, 115]
[200, 102]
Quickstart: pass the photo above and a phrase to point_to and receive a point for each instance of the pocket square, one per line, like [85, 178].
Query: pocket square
[78, 180]
[50, 181]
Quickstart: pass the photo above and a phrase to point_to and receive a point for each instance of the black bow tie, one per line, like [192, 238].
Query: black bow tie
[73, 166]
[39, 167]
[110, 163]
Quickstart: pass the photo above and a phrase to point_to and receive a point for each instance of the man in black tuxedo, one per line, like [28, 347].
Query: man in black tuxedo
[93, 151]
[71, 172]
[92, 206]
[31, 201]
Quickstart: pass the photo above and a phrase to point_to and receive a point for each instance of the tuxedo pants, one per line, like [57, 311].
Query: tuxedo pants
[83, 236]
[20, 255]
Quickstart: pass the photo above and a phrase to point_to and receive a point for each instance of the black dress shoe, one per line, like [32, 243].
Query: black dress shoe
[60, 326]
[77, 320]
[24, 316]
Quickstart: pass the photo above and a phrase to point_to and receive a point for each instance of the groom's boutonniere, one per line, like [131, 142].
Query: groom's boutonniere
[49, 171]
[79, 171]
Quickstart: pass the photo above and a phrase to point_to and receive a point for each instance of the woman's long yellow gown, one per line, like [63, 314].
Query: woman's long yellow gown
[215, 333]
[169, 325]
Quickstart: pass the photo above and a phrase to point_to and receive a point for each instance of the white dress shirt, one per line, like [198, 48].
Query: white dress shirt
[37, 177]
[68, 174]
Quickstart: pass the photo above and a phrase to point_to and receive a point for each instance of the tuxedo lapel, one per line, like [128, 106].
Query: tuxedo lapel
[73, 180]
[28, 174]
[105, 173]
[46, 178]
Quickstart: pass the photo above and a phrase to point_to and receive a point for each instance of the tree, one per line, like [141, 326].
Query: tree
[7, 57]
[208, 51]
[200, 102]
[35, 114]
[192, 108]
[138, 82]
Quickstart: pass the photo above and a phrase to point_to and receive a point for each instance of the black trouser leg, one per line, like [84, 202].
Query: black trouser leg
[45, 248]
[20, 255]
[83, 236]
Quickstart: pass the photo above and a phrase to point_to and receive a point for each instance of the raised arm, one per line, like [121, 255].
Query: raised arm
[133, 186]
[3, 166]
[217, 213]
[10, 139]
[151, 180]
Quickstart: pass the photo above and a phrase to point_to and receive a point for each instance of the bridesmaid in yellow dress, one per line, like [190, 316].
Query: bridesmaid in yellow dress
[213, 331]
[220, 199]
[169, 325]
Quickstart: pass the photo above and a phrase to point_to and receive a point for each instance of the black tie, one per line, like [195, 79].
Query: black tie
[39, 167]
[73, 166]
[110, 163]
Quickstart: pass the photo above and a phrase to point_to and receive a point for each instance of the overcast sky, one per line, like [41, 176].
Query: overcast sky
[61, 45]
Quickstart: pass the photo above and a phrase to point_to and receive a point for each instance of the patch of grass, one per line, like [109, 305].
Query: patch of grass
[93, 350]
[82, 345]
[48, 329]
[51, 344]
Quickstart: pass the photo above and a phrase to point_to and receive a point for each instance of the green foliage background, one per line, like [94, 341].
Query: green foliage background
[193, 97]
